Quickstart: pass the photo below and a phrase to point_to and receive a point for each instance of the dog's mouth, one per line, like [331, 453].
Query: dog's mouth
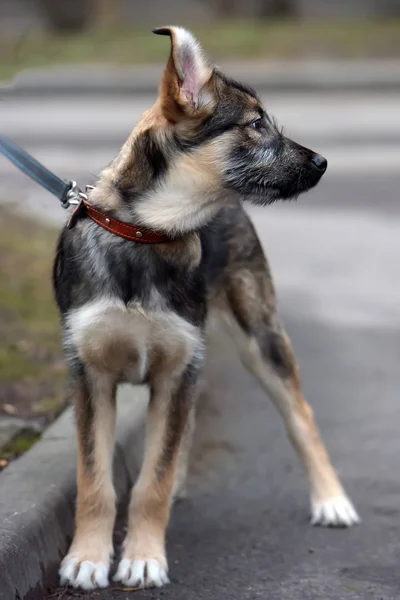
[264, 194]
[269, 191]
[297, 171]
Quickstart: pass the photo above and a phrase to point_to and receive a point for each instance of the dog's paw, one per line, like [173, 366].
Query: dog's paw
[334, 512]
[142, 573]
[87, 564]
[83, 574]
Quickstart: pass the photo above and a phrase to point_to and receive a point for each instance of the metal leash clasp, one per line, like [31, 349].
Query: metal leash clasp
[79, 200]
[75, 195]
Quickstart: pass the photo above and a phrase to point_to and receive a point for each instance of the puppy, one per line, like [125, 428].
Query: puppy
[134, 307]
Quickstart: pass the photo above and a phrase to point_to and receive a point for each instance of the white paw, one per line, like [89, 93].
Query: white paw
[141, 573]
[335, 512]
[83, 574]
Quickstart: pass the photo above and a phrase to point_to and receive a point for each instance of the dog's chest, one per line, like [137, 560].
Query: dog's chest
[131, 343]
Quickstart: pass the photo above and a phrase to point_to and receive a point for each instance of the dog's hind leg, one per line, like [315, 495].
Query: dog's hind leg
[87, 562]
[179, 490]
[265, 350]
[144, 562]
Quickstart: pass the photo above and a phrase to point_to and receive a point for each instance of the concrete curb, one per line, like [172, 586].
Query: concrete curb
[272, 76]
[37, 495]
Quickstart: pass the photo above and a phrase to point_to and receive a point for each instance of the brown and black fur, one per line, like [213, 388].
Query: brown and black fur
[137, 312]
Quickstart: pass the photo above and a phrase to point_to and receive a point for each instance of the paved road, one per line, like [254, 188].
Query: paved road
[243, 534]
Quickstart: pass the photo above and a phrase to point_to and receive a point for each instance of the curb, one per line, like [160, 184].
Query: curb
[272, 76]
[37, 495]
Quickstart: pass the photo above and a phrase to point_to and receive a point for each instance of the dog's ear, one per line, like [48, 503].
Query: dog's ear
[184, 90]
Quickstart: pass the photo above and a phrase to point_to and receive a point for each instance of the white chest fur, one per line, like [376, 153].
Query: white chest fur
[128, 342]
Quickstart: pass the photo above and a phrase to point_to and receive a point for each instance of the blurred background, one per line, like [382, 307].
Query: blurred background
[45, 32]
[75, 77]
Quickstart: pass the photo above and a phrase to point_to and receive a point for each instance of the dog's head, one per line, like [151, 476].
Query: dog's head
[207, 137]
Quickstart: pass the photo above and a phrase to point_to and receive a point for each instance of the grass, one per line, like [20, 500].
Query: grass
[18, 446]
[243, 39]
[31, 362]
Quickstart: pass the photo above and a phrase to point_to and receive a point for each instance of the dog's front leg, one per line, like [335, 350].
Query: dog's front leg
[144, 563]
[88, 560]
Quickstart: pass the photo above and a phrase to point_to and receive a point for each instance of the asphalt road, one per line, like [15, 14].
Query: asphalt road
[243, 533]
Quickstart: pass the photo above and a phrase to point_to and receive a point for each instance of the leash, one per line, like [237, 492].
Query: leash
[69, 195]
[66, 191]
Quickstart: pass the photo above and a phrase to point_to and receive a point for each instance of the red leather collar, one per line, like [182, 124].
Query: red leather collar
[120, 228]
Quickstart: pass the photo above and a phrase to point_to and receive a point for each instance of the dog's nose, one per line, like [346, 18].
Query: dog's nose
[319, 162]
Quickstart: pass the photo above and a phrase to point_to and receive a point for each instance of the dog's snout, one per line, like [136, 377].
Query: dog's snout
[319, 162]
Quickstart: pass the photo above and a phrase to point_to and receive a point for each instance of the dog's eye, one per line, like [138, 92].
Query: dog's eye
[258, 124]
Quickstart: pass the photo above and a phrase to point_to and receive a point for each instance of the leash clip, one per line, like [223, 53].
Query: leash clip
[74, 196]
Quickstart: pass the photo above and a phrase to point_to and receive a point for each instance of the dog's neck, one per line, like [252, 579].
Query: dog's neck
[181, 203]
[152, 185]
[164, 213]
[171, 209]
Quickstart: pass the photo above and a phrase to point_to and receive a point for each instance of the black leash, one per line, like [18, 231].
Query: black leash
[66, 191]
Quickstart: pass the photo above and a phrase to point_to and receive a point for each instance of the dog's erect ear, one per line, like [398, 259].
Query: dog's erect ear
[182, 88]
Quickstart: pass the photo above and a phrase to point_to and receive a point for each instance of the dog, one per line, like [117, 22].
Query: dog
[135, 308]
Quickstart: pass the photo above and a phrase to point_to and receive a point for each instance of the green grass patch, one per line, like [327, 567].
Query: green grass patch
[269, 39]
[20, 444]
[31, 362]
